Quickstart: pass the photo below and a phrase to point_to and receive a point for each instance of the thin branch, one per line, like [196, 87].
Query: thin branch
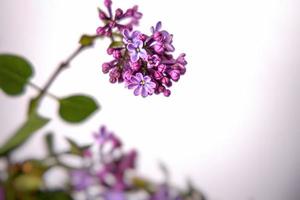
[37, 88]
[60, 68]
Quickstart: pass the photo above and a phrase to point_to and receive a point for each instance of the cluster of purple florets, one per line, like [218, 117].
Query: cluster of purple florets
[143, 62]
[112, 173]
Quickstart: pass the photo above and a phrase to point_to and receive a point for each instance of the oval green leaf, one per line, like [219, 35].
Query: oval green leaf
[14, 73]
[33, 123]
[77, 108]
[116, 44]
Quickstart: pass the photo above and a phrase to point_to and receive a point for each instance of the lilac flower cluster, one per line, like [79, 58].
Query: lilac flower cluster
[143, 62]
[114, 174]
[114, 165]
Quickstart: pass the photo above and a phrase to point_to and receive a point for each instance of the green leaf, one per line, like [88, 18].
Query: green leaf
[33, 123]
[14, 73]
[54, 195]
[33, 105]
[116, 44]
[141, 183]
[77, 108]
[75, 148]
[87, 40]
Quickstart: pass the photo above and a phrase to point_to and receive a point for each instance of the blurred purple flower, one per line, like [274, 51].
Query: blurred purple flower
[104, 136]
[87, 153]
[128, 160]
[163, 193]
[141, 85]
[2, 195]
[113, 171]
[114, 195]
[80, 179]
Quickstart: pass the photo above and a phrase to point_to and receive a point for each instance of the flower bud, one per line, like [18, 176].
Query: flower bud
[157, 75]
[107, 3]
[174, 74]
[143, 37]
[181, 59]
[118, 13]
[110, 51]
[114, 75]
[106, 67]
[102, 15]
[135, 66]
[161, 68]
[101, 31]
[167, 93]
[157, 36]
[161, 89]
[159, 48]
[117, 54]
[165, 80]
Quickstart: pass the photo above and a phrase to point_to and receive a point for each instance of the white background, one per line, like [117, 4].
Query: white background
[231, 123]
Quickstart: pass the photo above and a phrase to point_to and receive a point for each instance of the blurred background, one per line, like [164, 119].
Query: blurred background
[231, 123]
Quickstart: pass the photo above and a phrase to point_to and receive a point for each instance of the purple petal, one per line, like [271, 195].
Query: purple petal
[147, 79]
[165, 34]
[170, 38]
[138, 43]
[149, 90]
[114, 195]
[169, 47]
[132, 85]
[135, 79]
[140, 76]
[131, 47]
[135, 34]
[137, 91]
[126, 33]
[144, 92]
[143, 54]
[152, 29]
[158, 26]
[151, 84]
[134, 56]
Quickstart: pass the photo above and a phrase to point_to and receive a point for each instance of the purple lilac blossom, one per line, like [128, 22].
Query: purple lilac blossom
[115, 163]
[130, 37]
[116, 168]
[115, 176]
[80, 179]
[136, 50]
[144, 62]
[142, 85]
